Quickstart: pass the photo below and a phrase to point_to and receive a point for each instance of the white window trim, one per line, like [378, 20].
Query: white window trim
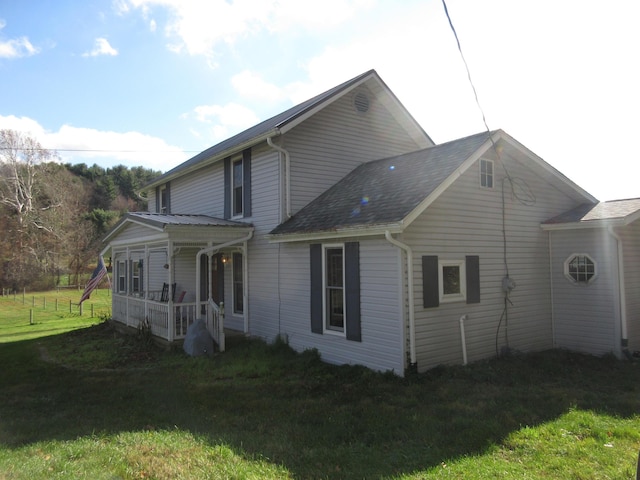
[232, 199]
[573, 280]
[330, 331]
[456, 297]
[493, 173]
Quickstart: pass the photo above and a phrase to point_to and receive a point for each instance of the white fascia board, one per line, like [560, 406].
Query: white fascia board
[583, 225]
[213, 159]
[127, 221]
[632, 217]
[140, 240]
[321, 106]
[501, 135]
[433, 196]
[336, 234]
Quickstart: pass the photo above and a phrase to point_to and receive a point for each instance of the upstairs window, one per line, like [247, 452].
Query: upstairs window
[580, 268]
[486, 173]
[163, 199]
[237, 185]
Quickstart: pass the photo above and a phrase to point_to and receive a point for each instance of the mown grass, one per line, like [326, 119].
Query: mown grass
[94, 404]
[34, 315]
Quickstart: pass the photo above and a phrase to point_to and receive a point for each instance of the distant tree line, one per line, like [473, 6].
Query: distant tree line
[53, 216]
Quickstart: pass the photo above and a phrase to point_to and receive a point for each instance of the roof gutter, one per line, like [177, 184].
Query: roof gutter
[622, 296]
[211, 249]
[363, 231]
[287, 175]
[177, 171]
[412, 322]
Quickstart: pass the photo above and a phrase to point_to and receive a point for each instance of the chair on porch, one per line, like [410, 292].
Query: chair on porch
[164, 297]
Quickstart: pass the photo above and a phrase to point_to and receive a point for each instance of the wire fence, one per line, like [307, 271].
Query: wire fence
[62, 300]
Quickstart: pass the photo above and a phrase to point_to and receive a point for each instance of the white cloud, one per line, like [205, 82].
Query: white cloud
[16, 47]
[226, 120]
[251, 85]
[107, 148]
[199, 27]
[102, 47]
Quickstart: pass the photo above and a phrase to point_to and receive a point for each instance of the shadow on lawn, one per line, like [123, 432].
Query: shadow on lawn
[316, 420]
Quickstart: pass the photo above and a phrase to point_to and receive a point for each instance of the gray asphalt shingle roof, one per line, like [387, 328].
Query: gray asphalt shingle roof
[382, 191]
[262, 128]
[610, 210]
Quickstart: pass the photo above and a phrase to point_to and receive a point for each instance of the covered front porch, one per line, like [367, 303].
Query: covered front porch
[170, 270]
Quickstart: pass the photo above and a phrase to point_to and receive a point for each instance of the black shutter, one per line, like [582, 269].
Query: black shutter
[141, 275]
[473, 278]
[430, 288]
[315, 252]
[227, 187]
[246, 182]
[204, 278]
[129, 286]
[352, 286]
[157, 199]
[168, 195]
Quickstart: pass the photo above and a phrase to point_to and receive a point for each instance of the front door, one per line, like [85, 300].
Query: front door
[216, 280]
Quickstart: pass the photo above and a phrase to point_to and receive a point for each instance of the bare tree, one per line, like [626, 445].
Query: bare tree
[19, 157]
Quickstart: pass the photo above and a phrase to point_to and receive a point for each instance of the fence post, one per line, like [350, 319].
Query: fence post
[44, 302]
[81, 308]
[70, 311]
[56, 304]
[92, 310]
[31, 316]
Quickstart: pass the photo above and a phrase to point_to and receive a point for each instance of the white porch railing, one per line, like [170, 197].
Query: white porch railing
[169, 320]
[215, 323]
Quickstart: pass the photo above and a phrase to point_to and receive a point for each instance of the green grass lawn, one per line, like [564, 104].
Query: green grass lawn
[34, 315]
[91, 403]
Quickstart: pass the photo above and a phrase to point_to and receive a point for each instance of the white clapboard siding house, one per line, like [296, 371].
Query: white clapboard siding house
[340, 226]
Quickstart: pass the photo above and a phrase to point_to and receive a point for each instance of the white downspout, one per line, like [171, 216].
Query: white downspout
[287, 175]
[245, 275]
[211, 249]
[412, 326]
[554, 343]
[622, 287]
[463, 339]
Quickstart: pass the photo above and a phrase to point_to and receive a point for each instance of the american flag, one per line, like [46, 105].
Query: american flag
[95, 279]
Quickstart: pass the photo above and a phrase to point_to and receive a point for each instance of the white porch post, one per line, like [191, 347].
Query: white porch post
[245, 276]
[210, 283]
[126, 282]
[145, 270]
[170, 315]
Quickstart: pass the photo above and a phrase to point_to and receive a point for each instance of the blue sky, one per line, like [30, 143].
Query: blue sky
[152, 82]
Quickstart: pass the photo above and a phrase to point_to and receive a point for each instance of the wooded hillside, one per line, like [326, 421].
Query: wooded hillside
[53, 215]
